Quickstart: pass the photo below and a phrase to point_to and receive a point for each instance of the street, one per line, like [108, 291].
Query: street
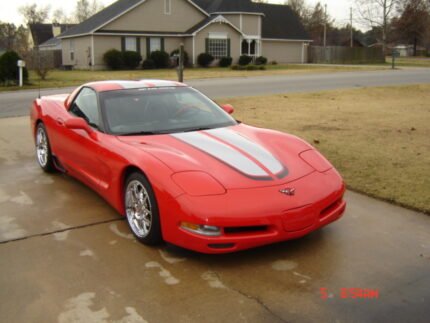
[18, 103]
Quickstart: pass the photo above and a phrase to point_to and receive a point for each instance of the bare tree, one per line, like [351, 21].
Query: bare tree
[377, 13]
[59, 17]
[413, 23]
[7, 35]
[300, 7]
[42, 62]
[86, 8]
[32, 14]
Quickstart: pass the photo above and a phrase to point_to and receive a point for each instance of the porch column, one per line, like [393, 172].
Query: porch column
[249, 46]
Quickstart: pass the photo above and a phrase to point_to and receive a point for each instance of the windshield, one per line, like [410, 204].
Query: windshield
[161, 110]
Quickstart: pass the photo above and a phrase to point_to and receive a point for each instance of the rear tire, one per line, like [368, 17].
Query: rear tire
[43, 149]
[141, 210]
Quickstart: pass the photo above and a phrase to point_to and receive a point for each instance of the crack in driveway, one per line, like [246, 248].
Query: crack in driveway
[252, 298]
[60, 231]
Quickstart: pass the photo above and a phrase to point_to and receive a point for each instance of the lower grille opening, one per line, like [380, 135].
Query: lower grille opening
[253, 229]
[221, 245]
[330, 208]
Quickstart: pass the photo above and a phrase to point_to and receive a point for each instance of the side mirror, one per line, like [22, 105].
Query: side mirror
[79, 124]
[228, 108]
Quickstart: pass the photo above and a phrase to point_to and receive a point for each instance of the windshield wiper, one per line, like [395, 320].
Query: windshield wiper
[197, 129]
[141, 133]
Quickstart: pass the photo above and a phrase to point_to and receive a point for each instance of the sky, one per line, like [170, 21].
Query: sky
[9, 11]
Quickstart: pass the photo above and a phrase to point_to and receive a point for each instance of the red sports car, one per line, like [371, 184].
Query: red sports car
[182, 170]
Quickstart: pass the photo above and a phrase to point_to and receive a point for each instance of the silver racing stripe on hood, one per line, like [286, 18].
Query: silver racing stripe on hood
[224, 153]
[254, 150]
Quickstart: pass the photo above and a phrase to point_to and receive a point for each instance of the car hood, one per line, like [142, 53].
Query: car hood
[238, 157]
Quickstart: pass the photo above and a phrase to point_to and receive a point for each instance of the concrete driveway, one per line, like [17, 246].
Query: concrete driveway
[18, 103]
[65, 256]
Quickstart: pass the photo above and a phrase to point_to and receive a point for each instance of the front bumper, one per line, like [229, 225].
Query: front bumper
[256, 217]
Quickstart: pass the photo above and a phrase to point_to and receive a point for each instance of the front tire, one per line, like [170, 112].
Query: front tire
[43, 149]
[141, 210]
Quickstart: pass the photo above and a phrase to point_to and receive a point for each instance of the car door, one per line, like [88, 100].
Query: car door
[83, 152]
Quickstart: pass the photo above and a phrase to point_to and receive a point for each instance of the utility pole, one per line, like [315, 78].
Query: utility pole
[325, 33]
[352, 33]
[325, 26]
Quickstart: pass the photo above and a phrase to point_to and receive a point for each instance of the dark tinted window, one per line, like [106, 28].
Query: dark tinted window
[85, 106]
[161, 110]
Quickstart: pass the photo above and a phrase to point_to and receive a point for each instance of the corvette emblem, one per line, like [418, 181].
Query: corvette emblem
[288, 191]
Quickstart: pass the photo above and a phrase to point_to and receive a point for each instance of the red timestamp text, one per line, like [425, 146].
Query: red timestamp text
[350, 293]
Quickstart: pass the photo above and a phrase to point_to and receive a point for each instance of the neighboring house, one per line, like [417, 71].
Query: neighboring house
[404, 50]
[355, 43]
[218, 27]
[44, 35]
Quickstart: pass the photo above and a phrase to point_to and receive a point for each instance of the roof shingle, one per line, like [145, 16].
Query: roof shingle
[101, 17]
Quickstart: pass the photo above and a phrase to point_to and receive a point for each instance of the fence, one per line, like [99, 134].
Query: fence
[345, 55]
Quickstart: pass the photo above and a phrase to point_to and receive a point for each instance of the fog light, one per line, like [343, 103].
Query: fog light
[206, 230]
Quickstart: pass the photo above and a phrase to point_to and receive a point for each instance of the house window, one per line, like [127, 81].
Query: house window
[218, 47]
[131, 44]
[72, 50]
[154, 44]
[167, 7]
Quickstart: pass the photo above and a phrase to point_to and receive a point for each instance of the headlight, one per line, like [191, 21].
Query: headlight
[206, 230]
[196, 183]
[316, 160]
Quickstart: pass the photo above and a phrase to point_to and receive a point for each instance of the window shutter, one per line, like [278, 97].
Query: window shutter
[228, 48]
[207, 46]
[123, 44]
[148, 47]
[138, 45]
[162, 44]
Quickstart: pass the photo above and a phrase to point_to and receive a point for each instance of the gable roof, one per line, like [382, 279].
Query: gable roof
[41, 33]
[44, 32]
[107, 15]
[281, 22]
[209, 20]
[102, 17]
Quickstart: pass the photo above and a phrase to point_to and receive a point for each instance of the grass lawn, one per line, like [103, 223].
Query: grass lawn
[59, 78]
[378, 138]
[410, 61]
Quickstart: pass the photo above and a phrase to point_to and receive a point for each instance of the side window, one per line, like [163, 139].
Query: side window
[85, 106]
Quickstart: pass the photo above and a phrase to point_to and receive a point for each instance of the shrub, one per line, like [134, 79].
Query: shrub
[274, 62]
[131, 60]
[161, 59]
[261, 60]
[113, 59]
[9, 71]
[225, 61]
[186, 57]
[245, 60]
[42, 62]
[148, 64]
[204, 59]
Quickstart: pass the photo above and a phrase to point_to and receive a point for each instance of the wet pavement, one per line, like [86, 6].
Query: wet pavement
[66, 256]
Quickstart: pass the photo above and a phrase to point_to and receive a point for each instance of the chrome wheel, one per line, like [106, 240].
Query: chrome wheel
[138, 208]
[42, 147]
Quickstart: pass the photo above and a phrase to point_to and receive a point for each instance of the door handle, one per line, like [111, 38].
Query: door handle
[60, 122]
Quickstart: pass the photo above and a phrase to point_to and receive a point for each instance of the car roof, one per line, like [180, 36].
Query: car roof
[115, 85]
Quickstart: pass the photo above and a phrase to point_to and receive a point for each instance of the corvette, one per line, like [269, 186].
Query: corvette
[182, 170]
